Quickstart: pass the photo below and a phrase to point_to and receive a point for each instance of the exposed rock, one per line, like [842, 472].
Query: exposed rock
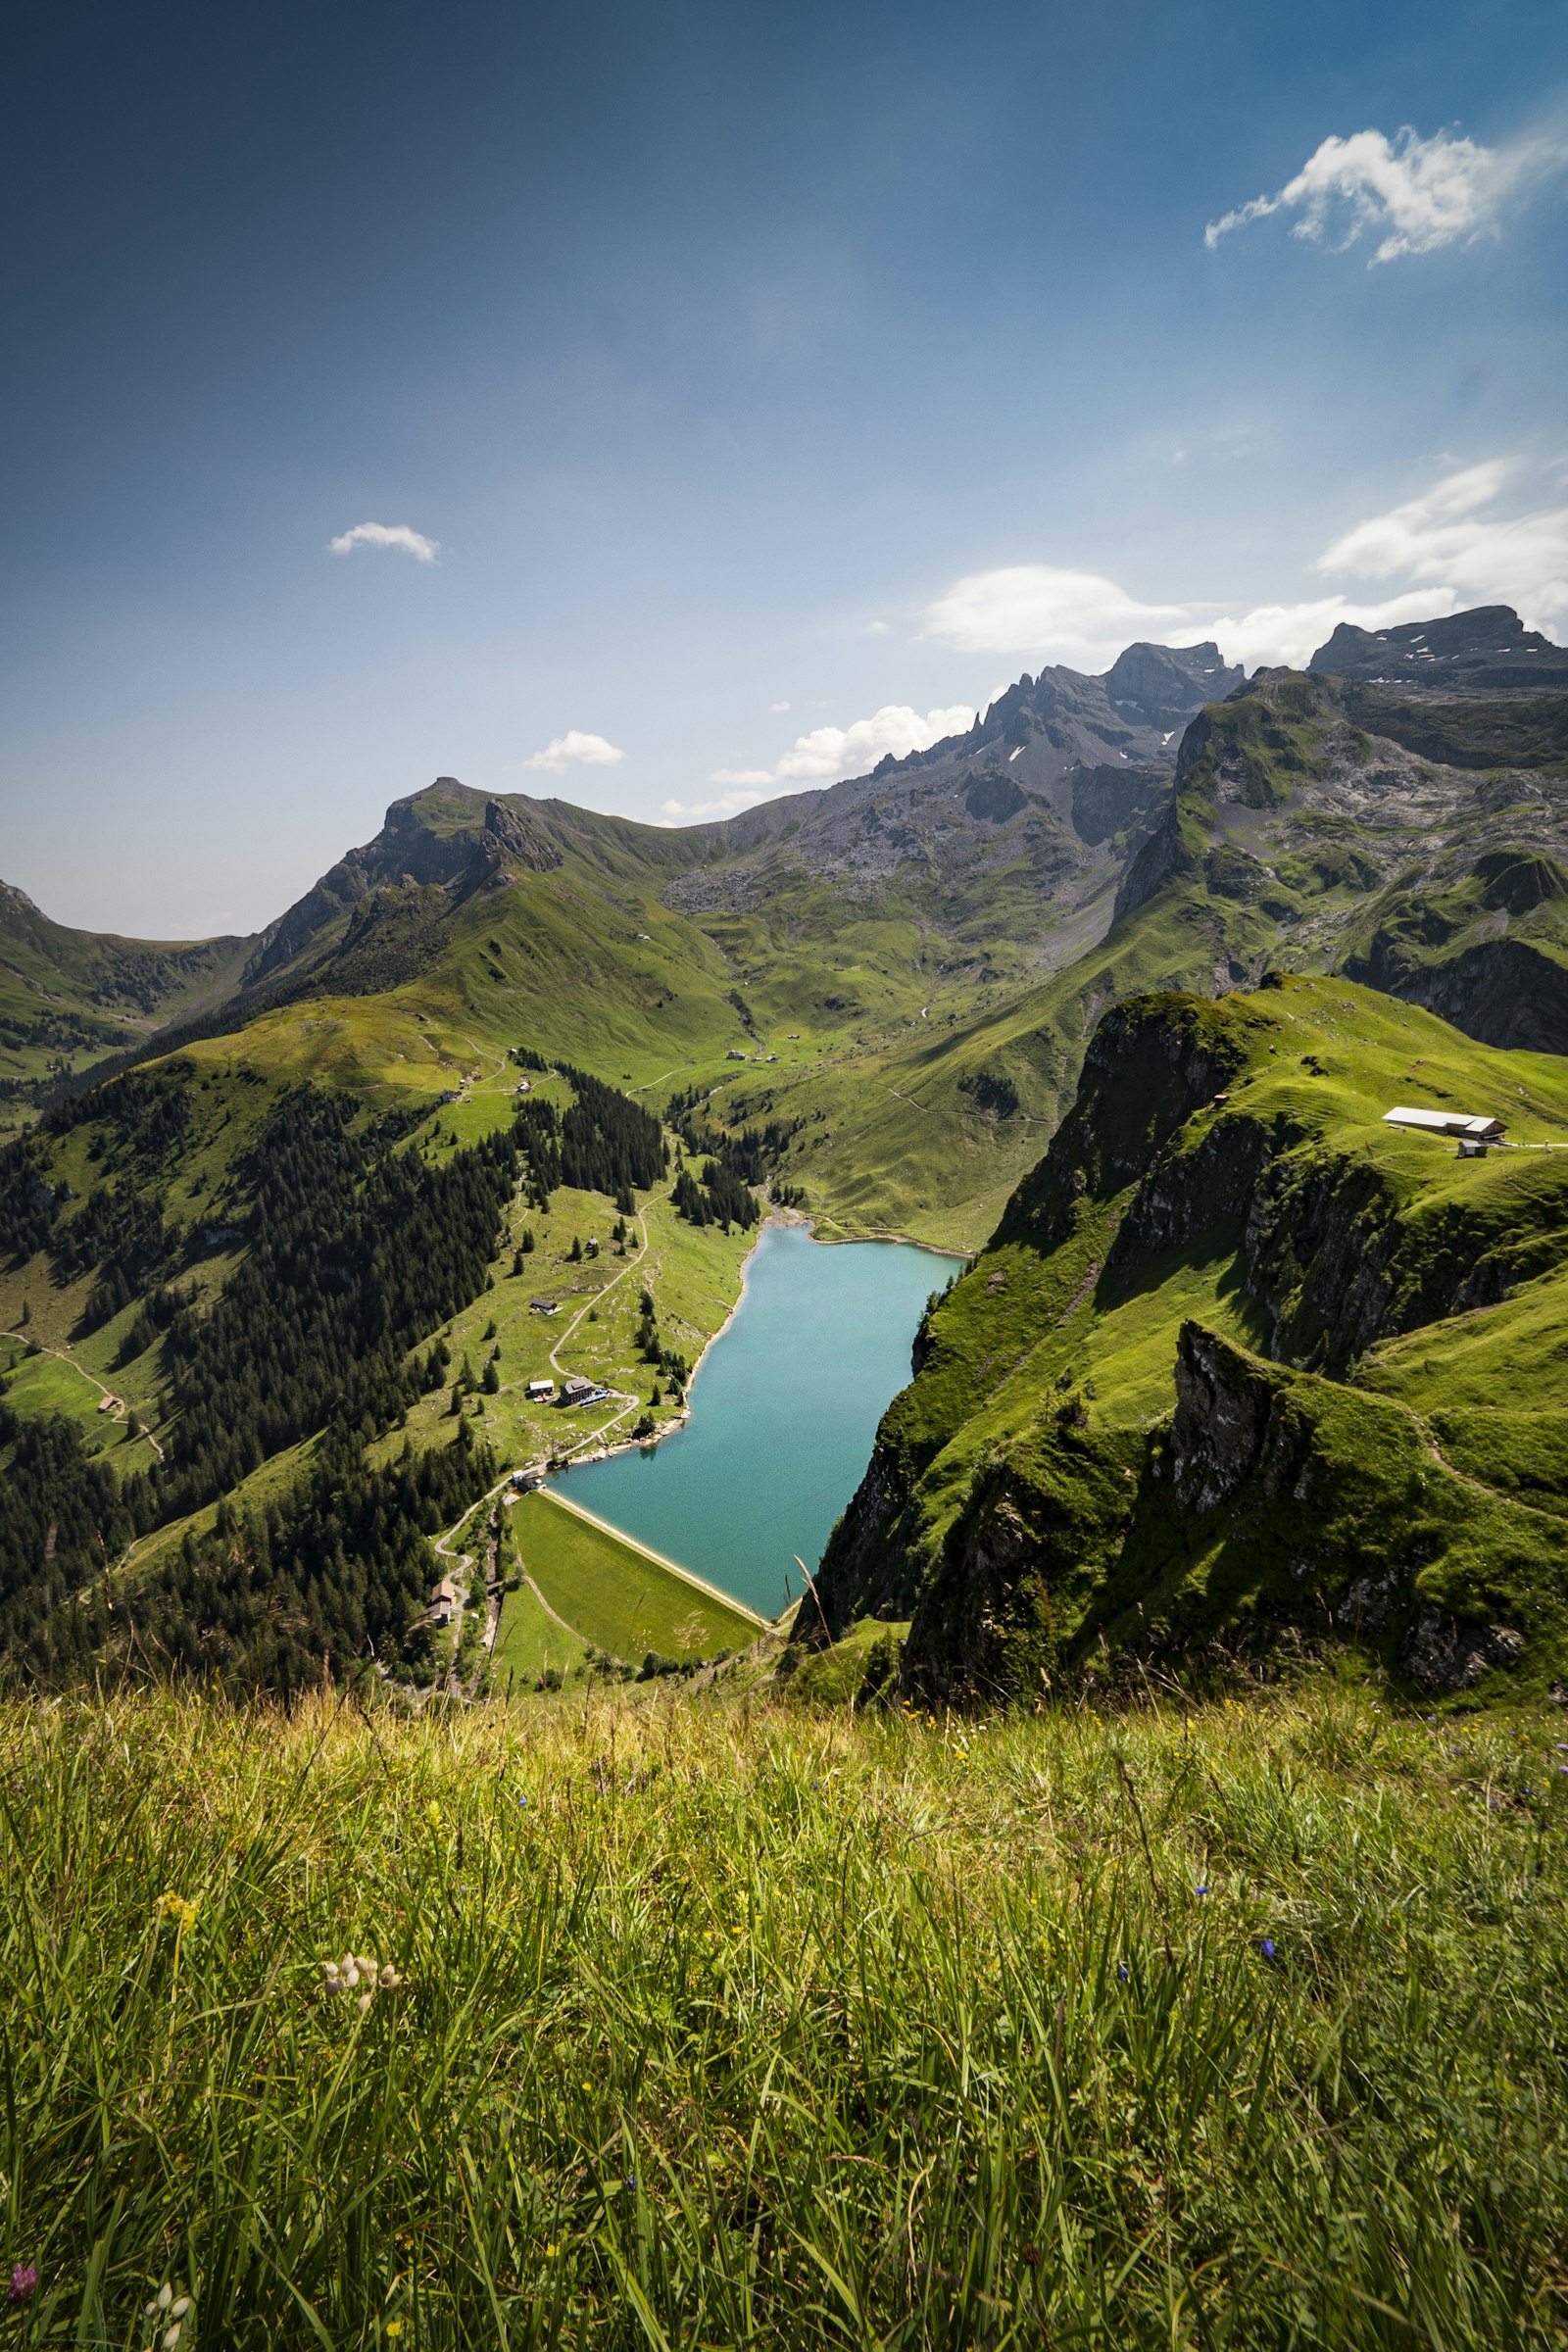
[1443, 1654]
[418, 843]
[1162, 685]
[1233, 1424]
[1489, 647]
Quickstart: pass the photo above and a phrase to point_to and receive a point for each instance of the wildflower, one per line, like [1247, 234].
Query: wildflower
[394, 2328]
[167, 2305]
[24, 2281]
[1122, 1970]
[1200, 1889]
[360, 1972]
[1266, 1947]
[180, 1908]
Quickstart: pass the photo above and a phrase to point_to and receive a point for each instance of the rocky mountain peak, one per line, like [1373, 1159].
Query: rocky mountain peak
[1482, 650]
[1166, 685]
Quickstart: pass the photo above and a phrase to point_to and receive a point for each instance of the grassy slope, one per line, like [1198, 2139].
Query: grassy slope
[67, 998]
[614, 1593]
[1029, 1323]
[693, 1277]
[741, 2025]
[530, 1644]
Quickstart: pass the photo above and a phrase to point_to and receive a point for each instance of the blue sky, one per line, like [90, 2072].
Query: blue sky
[768, 384]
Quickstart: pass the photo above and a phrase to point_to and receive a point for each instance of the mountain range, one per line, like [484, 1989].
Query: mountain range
[975, 997]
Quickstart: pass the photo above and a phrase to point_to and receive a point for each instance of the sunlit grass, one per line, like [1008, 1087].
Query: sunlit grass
[720, 2023]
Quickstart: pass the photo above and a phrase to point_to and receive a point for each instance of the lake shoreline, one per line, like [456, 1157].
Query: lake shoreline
[775, 1216]
[784, 1439]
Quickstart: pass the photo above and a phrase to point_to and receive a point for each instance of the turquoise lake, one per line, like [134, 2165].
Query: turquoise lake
[783, 1411]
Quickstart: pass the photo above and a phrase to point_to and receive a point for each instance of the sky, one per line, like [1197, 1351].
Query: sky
[662, 409]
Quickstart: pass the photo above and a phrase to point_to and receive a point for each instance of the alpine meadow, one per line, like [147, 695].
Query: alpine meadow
[784, 1507]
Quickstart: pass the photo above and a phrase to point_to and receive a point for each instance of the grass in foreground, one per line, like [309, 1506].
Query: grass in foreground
[722, 2025]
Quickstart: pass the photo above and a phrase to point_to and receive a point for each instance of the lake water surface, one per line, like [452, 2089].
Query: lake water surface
[783, 1411]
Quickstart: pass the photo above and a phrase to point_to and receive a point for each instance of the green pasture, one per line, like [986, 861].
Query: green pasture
[530, 1644]
[615, 1596]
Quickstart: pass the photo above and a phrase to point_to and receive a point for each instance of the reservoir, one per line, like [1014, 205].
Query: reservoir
[784, 1407]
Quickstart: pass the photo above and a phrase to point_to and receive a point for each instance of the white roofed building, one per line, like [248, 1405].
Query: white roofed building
[1469, 1127]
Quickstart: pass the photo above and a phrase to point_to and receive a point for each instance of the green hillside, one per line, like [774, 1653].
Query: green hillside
[1243, 1361]
[69, 998]
[289, 1267]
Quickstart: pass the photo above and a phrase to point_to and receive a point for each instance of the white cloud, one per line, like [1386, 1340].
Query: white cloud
[1442, 551]
[1446, 535]
[1413, 194]
[1078, 618]
[775, 707]
[1287, 636]
[386, 534]
[728, 803]
[826, 755]
[575, 749]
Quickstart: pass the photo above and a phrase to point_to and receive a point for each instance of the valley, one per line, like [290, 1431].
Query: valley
[1189, 1635]
[582, 1056]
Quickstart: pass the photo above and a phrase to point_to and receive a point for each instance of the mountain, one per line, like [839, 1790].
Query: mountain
[821, 934]
[881, 1001]
[1244, 1364]
[1485, 650]
[70, 997]
[1414, 834]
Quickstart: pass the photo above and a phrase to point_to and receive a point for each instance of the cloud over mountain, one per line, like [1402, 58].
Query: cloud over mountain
[574, 749]
[1447, 548]
[825, 754]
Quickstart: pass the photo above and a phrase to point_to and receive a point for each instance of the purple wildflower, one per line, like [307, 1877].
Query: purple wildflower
[1121, 1970]
[1267, 1947]
[1199, 1889]
[24, 2282]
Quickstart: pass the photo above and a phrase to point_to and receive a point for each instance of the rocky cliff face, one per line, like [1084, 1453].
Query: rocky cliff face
[1025, 1502]
[1053, 774]
[1399, 814]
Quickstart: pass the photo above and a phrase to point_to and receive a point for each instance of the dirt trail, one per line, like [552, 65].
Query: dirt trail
[120, 1408]
[631, 1404]
[1475, 1485]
